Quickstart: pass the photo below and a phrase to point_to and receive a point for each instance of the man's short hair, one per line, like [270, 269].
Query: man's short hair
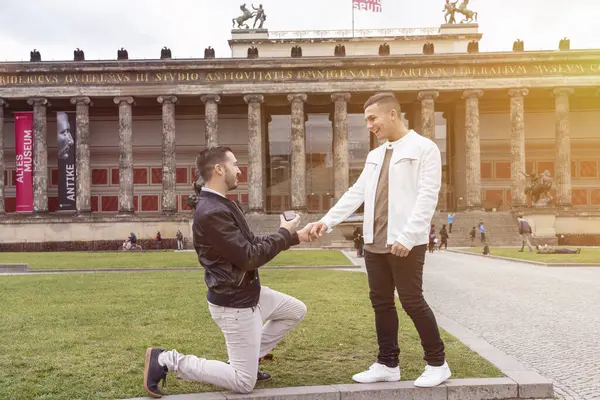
[208, 158]
[386, 100]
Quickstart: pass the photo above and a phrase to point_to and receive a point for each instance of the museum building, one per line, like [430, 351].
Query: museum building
[290, 105]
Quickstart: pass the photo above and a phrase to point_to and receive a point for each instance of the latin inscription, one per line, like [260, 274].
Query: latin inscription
[281, 75]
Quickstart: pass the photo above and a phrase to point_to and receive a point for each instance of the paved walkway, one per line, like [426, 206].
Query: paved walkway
[546, 317]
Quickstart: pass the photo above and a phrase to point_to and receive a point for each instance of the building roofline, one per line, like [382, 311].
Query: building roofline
[583, 55]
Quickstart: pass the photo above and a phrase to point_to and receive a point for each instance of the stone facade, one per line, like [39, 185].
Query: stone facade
[500, 109]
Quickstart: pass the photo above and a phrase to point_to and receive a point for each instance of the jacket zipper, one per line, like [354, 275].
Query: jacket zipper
[241, 280]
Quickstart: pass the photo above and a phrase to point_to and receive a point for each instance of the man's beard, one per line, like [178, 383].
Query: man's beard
[231, 183]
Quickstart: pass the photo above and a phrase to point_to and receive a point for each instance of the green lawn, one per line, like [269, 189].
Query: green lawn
[158, 259]
[587, 255]
[83, 336]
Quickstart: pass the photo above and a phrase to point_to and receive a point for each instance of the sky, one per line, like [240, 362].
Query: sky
[143, 27]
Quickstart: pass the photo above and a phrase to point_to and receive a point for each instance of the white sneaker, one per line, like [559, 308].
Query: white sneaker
[378, 373]
[433, 376]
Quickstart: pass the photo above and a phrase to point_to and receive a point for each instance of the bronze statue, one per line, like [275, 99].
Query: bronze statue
[564, 44]
[78, 55]
[35, 56]
[122, 54]
[209, 52]
[259, 16]
[340, 50]
[384, 49]
[473, 47]
[518, 45]
[252, 52]
[165, 53]
[450, 9]
[538, 187]
[296, 51]
[428, 49]
[469, 15]
[246, 15]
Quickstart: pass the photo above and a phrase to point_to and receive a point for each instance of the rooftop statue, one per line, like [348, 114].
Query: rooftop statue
[469, 15]
[246, 15]
[259, 16]
[451, 9]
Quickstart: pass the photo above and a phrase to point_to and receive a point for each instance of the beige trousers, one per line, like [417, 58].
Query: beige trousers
[526, 239]
[247, 340]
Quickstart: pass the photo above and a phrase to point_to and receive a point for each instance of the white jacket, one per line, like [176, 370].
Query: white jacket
[415, 176]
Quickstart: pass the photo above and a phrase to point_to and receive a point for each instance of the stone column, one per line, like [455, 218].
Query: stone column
[125, 155]
[473, 157]
[211, 111]
[298, 159]
[517, 147]
[428, 113]
[82, 155]
[40, 155]
[563, 147]
[169, 164]
[2, 183]
[341, 169]
[256, 188]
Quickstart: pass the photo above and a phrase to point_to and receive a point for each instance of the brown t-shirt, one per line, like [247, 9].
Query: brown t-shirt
[380, 222]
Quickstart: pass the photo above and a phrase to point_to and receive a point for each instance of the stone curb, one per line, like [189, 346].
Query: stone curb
[455, 389]
[540, 264]
[70, 271]
[14, 268]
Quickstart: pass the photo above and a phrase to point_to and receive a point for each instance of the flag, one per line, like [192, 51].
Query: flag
[367, 5]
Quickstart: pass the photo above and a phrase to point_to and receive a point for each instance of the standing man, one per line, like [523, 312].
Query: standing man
[399, 187]
[450, 221]
[231, 256]
[525, 232]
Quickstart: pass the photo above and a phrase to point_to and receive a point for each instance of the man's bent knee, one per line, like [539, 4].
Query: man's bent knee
[244, 384]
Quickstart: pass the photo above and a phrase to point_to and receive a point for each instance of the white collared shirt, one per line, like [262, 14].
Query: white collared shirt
[205, 189]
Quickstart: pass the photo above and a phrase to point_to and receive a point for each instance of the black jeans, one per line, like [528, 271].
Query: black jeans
[387, 272]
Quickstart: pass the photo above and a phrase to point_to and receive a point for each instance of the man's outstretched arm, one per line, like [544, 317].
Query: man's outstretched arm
[231, 244]
[346, 205]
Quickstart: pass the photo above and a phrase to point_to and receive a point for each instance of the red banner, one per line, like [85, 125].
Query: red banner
[367, 5]
[24, 160]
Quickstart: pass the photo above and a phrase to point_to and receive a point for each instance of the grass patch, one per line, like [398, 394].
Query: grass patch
[157, 259]
[587, 255]
[83, 336]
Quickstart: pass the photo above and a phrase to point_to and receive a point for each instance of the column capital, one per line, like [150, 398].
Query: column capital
[428, 94]
[563, 91]
[344, 96]
[3, 103]
[254, 98]
[38, 101]
[472, 94]
[297, 96]
[123, 99]
[81, 100]
[210, 97]
[167, 99]
[520, 92]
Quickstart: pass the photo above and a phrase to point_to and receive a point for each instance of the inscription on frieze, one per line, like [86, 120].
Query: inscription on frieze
[307, 74]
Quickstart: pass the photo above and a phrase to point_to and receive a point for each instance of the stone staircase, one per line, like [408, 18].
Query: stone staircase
[501, 228]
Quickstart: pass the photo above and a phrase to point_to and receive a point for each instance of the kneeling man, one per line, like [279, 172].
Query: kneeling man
[231, 256]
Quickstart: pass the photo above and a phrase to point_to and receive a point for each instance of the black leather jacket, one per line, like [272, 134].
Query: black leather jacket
[230, 253]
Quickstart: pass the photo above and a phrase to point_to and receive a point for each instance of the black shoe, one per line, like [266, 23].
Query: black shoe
[154, 373]
[262, 376]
